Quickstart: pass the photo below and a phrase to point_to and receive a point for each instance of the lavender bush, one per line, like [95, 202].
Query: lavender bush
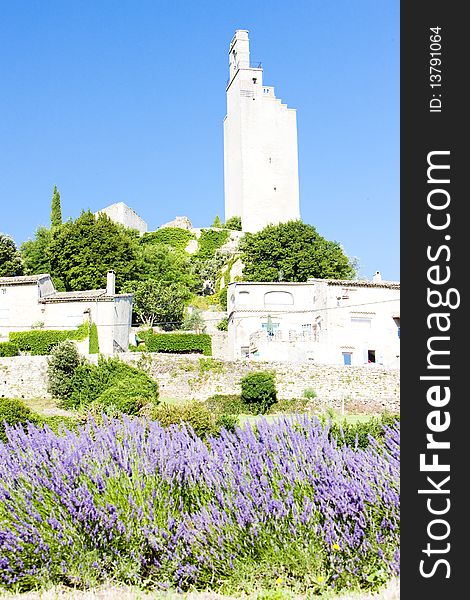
[129, 501]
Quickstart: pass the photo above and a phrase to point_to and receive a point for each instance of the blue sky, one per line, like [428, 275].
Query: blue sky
[124, 101]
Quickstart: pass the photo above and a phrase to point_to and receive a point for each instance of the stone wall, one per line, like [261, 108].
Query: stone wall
[358, 389]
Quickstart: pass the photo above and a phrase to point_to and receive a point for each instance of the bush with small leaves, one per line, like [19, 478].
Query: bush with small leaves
[259, 391]
[61, 366]
[192, 413]
[15, 412]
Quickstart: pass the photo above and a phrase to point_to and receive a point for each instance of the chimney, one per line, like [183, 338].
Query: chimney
[377, 278]
[111, 283]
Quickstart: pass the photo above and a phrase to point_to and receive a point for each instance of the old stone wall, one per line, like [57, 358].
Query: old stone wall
[357, 389]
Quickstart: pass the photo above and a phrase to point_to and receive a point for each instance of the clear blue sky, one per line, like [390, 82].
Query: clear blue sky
[124, 101]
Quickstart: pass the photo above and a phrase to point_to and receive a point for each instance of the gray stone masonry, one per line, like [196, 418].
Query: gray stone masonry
[357, 389]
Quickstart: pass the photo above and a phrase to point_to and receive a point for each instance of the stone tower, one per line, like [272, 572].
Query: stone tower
[260, 146]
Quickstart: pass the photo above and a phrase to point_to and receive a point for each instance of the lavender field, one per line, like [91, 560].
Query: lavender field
[273, 504]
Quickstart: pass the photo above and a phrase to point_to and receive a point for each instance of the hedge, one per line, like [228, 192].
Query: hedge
[41, 341]
[172, 236]
[93, 343]
[180, 343]
[8, 349]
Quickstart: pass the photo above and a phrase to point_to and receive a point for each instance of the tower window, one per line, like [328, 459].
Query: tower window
[275, 189]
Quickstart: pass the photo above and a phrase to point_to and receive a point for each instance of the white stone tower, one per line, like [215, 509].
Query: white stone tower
[260, 146]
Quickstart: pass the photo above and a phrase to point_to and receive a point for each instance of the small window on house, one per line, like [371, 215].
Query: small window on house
[245, 351]
[347, 358]
[397, 323]
[361, 322]
[371, 356]
[244, 297]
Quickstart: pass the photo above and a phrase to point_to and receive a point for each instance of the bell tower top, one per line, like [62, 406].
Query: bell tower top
[239, 52]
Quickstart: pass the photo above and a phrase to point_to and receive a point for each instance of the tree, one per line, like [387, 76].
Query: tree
[82, 251]
[164, 263]
[34, 253]
[217, 222]
[292, 251]
[159, 302]
[234, 223]
[56, 211]
[194, 321]
[10, 259]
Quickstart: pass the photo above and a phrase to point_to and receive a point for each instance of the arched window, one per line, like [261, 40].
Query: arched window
[278, 298]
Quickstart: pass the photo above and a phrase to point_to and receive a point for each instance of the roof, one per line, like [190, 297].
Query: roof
[82, 296]
[394, 285]
[23, 279]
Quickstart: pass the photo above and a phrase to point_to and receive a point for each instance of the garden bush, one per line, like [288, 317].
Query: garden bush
[8, 349]
[234, 223]
[179, 343]
[15, 412]
[90, 381]
[259, 391]
[128, 394]
[192, 413]
[172, 236]
[210, 241]
[289, 405]
[61, 367]
[222, 325]
[41, 341]
[223, 301]
[93, 342]
[230, 404]
[361, 432]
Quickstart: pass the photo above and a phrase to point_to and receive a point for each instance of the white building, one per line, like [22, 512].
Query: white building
[260, 146]
[32, 301]
[123, 214]
[325, 321]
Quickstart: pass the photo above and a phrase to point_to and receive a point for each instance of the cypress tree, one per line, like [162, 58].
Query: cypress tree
[56, 211]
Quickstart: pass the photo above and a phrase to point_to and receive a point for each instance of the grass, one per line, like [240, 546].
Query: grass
[350, 419]
[110, 592]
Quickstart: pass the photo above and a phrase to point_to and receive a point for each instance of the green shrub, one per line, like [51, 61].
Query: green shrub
[289, 405]
[93, 342]
[222, 325]
[234, 223]
[223, 298]
[90, 381]
[230, 404]
[58, 422]
[15, 412]
[193, 413]
[259, 391]
[172, 236]
[8, 349]
[41, 342]
[129, 394]
[309, 393]
[226, 421]
[180, 343]
[210, 241]
[351, 433]
[61, 366]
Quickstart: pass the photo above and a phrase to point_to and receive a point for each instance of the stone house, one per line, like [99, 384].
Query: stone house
[123, 214]
[325, 321]
[31, 301]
